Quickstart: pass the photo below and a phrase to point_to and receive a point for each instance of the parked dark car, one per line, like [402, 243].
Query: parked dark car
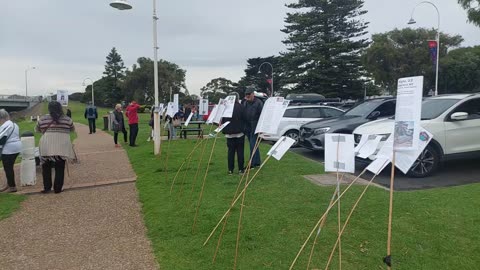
[312, 135]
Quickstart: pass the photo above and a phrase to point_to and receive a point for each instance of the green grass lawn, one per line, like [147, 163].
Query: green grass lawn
[9, 203]
[433, 229]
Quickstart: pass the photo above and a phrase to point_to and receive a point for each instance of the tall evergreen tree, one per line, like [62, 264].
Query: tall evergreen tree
[325, 40]
[114, 72]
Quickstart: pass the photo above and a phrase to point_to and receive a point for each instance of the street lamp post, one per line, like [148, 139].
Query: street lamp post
[271, 66]
[124, 5]
[412, 21]
[26, 81]
[87, 78]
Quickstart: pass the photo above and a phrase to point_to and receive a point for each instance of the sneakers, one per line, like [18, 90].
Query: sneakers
[12, 189]
[116, 145]
[241, 172]
[230, 173]
[149, 139]
[46, 191]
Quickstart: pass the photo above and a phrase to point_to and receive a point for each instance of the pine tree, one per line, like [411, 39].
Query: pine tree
[114, 72]
[324, 43]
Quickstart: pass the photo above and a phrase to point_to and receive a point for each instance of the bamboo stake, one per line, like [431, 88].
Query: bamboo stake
[197, 144]
[388, 259]
[203, 184]
[247, 173]
[348, 218]
[320, 228]
[239, 227]
[339, 212]
[181, 166]
[233, 204]
[166, 162]
[199, 164]
[322, 217]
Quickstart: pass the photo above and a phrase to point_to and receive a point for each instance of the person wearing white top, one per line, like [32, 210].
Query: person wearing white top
[10, 147]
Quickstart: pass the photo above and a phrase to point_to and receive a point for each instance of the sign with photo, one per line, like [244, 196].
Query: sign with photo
[62, 97]
[203, 106]
[408, 113]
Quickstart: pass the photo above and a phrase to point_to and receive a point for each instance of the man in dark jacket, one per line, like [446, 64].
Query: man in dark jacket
[92, 115]
[253, 109]
[235, 137]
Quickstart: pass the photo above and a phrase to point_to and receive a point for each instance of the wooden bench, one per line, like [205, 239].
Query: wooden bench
[183, 131]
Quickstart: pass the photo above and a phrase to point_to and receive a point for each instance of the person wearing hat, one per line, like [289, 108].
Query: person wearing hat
[253, 109]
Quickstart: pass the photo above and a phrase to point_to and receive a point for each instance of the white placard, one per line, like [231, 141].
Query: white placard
[279, 149]
[203, 106]
[408, 113]
[171, 109]
[62, 97]
[377, 166]
[220, 110]
[404, 159]
[188, 119]
[175, 102]
[272, 113]
[386, 151]
[160, 108]
[339, 153]
[220, 128]
[229, 104]
[369, 147]
[212, 115]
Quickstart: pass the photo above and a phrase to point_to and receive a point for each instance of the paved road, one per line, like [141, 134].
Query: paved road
[452, 173]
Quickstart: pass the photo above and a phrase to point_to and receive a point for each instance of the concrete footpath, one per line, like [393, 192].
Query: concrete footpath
[96, 223]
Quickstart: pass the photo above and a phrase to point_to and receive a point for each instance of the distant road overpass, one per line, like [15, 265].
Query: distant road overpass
[17, 103]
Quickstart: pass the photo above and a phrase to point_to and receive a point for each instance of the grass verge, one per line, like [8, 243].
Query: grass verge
[433, 229]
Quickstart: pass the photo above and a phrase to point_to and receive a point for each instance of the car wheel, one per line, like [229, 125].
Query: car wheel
[426, 164]
[294, 134]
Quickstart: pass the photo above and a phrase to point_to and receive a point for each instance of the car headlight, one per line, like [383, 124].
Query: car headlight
[319, 131]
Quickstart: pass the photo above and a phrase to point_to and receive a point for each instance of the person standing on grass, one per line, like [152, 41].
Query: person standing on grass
[10, 146]
[132, 115]
[92, 115]
[235, 138]
[69, 113]
[253, 109]
[118, 125]
[55, 146]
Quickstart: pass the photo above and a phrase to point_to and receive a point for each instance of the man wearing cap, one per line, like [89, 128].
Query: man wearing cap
[253, 109]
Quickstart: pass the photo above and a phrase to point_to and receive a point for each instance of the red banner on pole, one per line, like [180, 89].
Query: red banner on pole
[432, 45]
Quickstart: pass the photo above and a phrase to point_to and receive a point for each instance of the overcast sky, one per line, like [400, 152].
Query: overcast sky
[69, 40]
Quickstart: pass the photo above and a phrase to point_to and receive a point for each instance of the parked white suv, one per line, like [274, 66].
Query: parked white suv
[454, 121]
[295, 116]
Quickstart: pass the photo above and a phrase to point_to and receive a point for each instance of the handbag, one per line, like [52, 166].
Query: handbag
[4, 140]
[176, 123]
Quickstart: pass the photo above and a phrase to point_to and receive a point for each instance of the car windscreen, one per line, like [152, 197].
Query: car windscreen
[364, 108]
[434, 107]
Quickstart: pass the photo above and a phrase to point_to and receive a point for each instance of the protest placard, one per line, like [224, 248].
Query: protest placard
[203, 106]
[408, 113]
[279, 149]
[62, 97]
[271, 115]
[339, 153]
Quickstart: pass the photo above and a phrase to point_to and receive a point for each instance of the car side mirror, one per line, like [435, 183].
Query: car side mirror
[459, 116]
[374, 115]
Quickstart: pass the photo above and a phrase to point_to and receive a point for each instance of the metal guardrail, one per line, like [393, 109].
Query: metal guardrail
[15, 98]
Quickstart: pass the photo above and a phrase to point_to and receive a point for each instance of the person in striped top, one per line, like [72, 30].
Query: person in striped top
[55, 146]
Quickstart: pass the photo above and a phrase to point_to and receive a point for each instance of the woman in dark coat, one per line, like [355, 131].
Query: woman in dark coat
[118, 124]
